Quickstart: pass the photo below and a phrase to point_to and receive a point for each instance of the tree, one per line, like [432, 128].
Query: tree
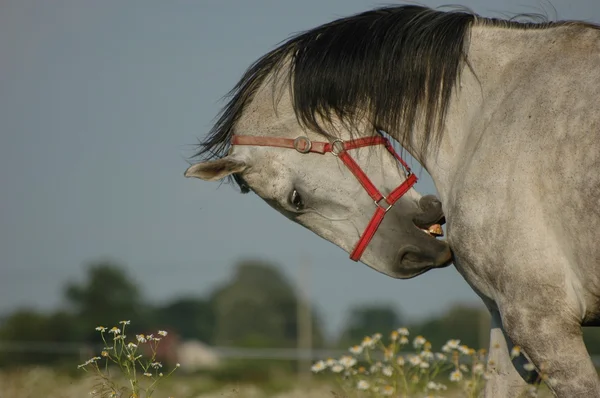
[366, 320]
[258, 308]
[25, 329]
[591, 337]
[190, 317]
[469, 324]
[105, 298]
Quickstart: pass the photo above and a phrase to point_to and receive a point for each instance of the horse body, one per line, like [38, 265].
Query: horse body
[521, 199]
[528, 169]
[515, 162]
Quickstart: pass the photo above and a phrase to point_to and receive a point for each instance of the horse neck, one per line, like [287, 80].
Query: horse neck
[495, 57]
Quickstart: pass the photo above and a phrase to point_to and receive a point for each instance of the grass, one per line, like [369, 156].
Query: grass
[397, 367]
[30, 382]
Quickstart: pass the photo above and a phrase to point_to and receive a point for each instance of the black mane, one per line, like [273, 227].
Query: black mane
[387, 65]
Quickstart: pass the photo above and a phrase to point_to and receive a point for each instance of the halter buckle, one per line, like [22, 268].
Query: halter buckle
[378, 204]
[336, 150]
[306, 147]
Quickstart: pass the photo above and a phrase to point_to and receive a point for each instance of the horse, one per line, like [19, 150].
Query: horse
[505, 117]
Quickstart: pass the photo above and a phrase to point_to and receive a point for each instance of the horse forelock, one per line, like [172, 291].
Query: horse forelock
[392, 65]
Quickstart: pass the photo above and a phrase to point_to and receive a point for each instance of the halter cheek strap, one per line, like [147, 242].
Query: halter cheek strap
[340, 149]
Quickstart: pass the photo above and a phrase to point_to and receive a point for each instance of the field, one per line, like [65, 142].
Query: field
[46, 382]
[31, 383]
[392, 366]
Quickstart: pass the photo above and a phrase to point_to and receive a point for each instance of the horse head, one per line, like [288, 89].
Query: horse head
[349, 186]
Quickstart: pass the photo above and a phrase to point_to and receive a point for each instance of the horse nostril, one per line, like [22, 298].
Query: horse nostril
[430, 203]
[409, 254]
[431, 212]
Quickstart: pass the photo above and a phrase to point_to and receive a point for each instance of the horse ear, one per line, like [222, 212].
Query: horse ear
[215, 170]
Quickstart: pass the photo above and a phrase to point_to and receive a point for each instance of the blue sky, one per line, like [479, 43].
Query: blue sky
[101, 103]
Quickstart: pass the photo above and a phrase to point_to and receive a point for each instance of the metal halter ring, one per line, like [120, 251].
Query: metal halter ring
[307, 144]
[378, 204]
[333, 147]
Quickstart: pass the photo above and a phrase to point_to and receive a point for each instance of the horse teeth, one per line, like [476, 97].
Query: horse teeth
[436, 230]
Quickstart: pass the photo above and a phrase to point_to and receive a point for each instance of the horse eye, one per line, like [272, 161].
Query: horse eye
[296, 200]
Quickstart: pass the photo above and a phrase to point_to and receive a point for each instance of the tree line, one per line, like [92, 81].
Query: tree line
[256, 308]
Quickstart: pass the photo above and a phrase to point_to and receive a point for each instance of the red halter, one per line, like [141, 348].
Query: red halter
[339, 148]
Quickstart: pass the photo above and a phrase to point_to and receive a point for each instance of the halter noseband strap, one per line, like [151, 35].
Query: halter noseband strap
[340, 149]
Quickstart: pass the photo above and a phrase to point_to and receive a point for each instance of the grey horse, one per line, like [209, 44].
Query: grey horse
[505, 117]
